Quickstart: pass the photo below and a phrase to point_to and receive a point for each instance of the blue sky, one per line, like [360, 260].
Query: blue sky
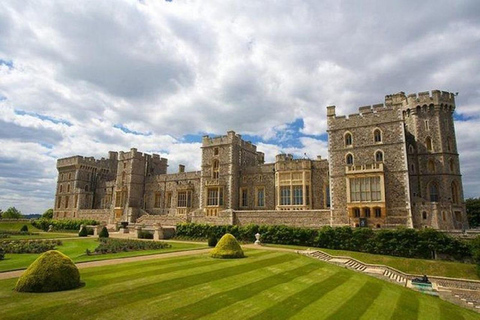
[88, 77]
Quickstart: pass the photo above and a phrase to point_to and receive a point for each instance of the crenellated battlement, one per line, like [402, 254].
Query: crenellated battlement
[230, 138]
[435, 97]
[80, 160]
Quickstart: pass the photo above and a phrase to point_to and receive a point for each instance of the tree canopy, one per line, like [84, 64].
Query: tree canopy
[12, 213]
[473, 212]
[48, 214]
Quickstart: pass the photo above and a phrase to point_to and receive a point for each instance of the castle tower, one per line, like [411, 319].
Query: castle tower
[434, 170]
[223, 158]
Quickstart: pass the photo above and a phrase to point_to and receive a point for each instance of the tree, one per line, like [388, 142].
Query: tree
[12, 213]
[1, 212]
[48, 214]
[473, 212]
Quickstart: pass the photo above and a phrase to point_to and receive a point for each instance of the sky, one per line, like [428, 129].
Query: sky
[87, 77]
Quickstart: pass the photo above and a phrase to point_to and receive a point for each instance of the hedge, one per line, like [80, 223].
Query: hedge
[401, 242]
[67, 224]
[109, 245]
[29, 246]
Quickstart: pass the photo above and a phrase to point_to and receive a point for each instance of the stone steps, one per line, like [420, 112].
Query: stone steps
[394, 276]
[353, 264]
[320, 255]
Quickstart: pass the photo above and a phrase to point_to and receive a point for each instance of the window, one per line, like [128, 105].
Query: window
[184, 199]
[158, 199]
[123, 176]
[349, 159]
[285, 196]
[61, 188]
[59, 202]
[215, 196]
[379, 156]
[412, 168]
[452, 165]
[433, 192]
[356, 212]
[426, 125]
[215, 169]
[307, 195]
[76, 201]
[260, 197]
[327, 196]
[455, 193]
[66, 202]
[424, 215]
[243, 197]
[70, 176]
[168, 204]
[124, 165]
[365, 189]
[215, 151]
[297, 195]
[431, 166]
[68, 187]
[366, 211]
[377, 135]
[411, 149]
[119, 199]
[428, 144]
[449, 144]
[86, 187]
[378, 212]
[348, 139]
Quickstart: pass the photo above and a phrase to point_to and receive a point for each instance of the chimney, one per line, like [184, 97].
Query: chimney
[181, 168]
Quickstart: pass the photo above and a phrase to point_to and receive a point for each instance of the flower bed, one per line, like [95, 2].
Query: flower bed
[109, 245]
[29, 246]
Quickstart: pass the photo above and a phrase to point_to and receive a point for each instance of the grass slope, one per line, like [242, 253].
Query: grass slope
[408, 265]
[75, 249]
[265, 285]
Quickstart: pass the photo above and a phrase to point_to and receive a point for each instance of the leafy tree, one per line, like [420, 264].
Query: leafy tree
[12, 213]
[1, 212]
[473, 212]
[48, 214]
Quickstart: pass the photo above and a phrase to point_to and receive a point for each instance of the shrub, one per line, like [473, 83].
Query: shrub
[227, 247]
[212, 241]
[65, 224]
[109, 245]
[145, 235]
[83, 232]
[52, 271]
[24, 228]
[103, 233]
[2, 254]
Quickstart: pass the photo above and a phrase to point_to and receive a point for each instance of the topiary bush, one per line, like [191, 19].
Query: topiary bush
[52, 271]
[212, 241]
[227, 248]
[2, 254]
[24, 228]
[103, 233]
[83, 232]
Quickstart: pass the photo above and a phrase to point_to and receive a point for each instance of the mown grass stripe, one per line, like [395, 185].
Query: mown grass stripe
[407, 305]
[155, 289]
[293, 304]
[448, 312]
[224, 299]
[361, 300]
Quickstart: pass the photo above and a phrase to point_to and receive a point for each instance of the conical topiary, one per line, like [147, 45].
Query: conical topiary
[24, 228]
[103, 233]
[83, 232]
[52, 271]
[227, 247]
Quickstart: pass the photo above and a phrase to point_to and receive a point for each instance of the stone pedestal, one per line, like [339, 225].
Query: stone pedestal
[137, 231]
[97, 229]
[257, 242]
[158, 232]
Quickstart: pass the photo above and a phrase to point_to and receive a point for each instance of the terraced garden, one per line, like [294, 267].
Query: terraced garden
[265, 285]
[75, 249]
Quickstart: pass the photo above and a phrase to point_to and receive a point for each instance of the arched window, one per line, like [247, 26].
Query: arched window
[377, 135]
[349, 159]
[68, 187]
[379, 156]
[433, 192]
[411, 149]
[61, 188]
[455, 197]
[86, 187]
[215, 169]
[428, 144]
[424, 215]
[452, 165]
[348, 139]
[431, 166]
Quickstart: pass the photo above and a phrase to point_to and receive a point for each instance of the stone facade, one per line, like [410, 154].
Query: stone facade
[392, 164]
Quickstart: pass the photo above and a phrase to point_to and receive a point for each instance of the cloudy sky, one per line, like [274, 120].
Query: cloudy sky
[86, 77]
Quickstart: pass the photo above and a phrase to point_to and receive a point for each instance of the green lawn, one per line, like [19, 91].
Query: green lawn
[408, 265]
[16, 226]
[75, 249]
[265, 285]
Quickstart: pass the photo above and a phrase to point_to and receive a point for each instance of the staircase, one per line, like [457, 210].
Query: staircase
[394, 276]
[356, 265]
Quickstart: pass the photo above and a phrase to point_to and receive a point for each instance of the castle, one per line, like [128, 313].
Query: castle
[392, 164]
